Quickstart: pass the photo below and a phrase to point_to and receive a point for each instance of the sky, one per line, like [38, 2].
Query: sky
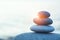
[16, 15]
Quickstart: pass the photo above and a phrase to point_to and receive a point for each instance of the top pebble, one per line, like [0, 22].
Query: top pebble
[43, 14]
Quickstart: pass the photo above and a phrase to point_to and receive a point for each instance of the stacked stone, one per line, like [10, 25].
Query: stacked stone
[43, 23]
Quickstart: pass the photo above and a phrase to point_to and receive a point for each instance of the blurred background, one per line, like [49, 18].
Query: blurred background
[16, 15]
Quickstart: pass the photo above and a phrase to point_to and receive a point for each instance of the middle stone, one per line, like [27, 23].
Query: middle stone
[44, 21]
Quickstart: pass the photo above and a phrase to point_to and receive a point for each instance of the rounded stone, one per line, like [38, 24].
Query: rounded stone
[37, 36]
[45, 29]
[46, 21]
[43, 14]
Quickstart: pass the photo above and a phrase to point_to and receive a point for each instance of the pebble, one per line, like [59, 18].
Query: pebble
[46, 21]
[44, 29]
[43, 14]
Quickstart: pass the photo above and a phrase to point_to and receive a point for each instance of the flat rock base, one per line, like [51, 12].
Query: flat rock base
[38, 36]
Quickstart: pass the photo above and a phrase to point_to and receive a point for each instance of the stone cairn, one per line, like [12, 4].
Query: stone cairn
[43, 23]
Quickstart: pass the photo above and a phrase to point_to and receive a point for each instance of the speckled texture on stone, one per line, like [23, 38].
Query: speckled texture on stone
[38, 36]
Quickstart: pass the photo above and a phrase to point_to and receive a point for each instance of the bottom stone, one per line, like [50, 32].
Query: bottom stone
[46, 29]
[37, 36]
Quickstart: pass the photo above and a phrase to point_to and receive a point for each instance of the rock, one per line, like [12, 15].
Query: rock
[43, 29]
[37, 36]
[43, 14]
[46, 21]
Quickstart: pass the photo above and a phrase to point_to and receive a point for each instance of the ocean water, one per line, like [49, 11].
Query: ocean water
[16, 16]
